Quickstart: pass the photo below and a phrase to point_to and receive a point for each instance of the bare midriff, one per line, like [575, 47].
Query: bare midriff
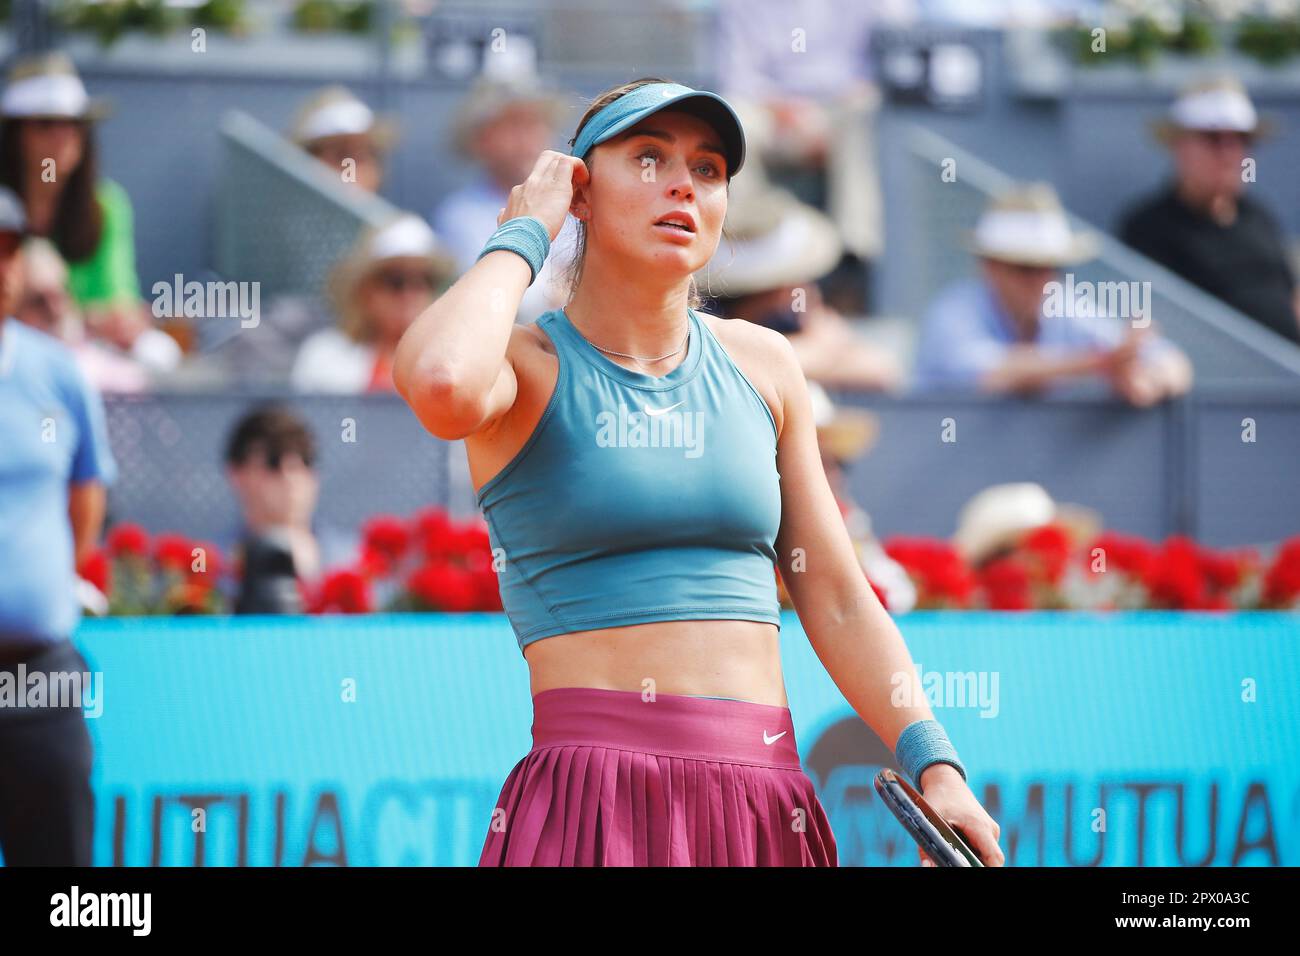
[734, 659]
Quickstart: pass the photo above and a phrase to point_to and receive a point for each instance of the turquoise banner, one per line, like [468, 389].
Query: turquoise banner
[1094, 739]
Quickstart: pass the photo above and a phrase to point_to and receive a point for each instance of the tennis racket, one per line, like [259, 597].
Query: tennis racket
[931, 832]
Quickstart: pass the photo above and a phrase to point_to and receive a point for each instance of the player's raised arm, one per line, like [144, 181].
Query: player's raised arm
[451, 364]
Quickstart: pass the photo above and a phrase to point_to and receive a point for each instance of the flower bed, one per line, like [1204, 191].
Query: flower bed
[1113, 572]
[431, 562]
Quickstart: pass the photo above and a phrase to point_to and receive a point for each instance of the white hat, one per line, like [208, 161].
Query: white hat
[335, 111]
[47, 85]
[999, 515]
[1027, 225]
[1215, 103]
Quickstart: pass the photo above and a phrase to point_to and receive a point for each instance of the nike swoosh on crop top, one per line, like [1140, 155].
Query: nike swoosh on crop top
[636, 498]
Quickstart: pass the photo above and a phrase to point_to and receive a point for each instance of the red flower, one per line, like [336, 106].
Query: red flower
[1282, 579]
[97, 570]
[475, 547]
[346, 591]
[436, 533]
[1006, 583]
[1175, 579]
[442, 538]
[1225, 571]
[127, 539]
[385, 540]
[213, 562]
[1048, 546]
[441, 586]
[941, 575]
[487, 589]
[172, 552]
[1123, 553]
[372, 564]
[1188, 577]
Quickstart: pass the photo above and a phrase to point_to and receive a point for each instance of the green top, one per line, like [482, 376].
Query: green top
[108, 275]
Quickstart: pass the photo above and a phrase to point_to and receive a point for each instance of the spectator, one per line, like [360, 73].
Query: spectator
[53, 472]
[270, 464]
[389, 277]
[800, 71]
[994, 521]
[49, 158]
[344, 134]
[995, 334]
[1202, 225]
[45, 305]
[502, 126]
[774, 250]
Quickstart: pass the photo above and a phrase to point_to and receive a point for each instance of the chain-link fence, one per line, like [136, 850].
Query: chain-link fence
[373, 457]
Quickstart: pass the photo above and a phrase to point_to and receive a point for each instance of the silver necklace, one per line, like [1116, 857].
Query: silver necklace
[637, 357]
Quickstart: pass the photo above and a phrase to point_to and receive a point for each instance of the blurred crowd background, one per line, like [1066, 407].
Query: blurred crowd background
[1038, 260]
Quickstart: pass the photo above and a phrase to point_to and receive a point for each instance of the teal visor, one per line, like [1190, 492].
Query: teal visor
[629, 109]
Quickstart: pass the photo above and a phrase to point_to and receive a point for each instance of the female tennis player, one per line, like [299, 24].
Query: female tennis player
[643, 468]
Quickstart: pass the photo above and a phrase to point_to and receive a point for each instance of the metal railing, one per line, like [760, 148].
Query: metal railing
[282, 218]
[1222, 343]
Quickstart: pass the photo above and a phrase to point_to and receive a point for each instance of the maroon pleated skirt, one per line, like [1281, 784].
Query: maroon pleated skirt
[615, 780]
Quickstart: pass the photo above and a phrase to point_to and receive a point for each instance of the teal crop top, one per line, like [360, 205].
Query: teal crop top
[637, 498]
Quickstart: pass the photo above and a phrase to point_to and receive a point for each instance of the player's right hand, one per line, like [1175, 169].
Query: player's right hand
[548, 190]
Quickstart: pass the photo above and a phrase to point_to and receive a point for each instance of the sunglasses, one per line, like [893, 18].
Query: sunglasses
[1027, 270]
[54, 122]
[392, 280]
[362, 152]
[1223, 137]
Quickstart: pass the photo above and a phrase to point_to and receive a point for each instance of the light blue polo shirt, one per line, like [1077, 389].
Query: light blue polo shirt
[965, 333]
[52, 434]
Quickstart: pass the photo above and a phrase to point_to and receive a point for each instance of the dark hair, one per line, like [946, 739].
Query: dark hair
[275, 431]
[573, 271]
[78, 220]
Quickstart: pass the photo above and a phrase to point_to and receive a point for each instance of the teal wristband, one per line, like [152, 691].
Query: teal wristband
[525, 236]
[922, 743]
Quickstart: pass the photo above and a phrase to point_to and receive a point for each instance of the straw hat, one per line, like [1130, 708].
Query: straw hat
[1212, 103]
[1027, 225]
[47, 86]
[772, 240]
[336, 111]
[490, 96]
[404, 236]
[844, 432]
[999, 515]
